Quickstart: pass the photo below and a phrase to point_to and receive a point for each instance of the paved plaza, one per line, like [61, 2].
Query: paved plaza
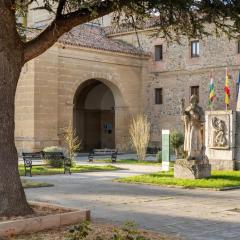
[191, 214]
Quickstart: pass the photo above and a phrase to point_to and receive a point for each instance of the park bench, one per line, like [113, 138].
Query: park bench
[36, 159]
[103, 152]
[153, 150]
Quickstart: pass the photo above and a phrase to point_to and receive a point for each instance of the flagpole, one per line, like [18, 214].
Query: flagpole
[211, 78]
[226, 108]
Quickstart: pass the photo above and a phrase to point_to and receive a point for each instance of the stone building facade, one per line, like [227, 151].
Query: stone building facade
[98, 78]
[177, 73]
[95, 87]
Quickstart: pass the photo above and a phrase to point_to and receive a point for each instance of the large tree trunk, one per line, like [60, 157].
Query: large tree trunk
[12, 197]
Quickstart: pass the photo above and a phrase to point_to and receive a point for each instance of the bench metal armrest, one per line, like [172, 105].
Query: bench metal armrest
[27, 162]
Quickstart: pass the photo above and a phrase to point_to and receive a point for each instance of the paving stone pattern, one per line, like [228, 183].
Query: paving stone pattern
[191, 214]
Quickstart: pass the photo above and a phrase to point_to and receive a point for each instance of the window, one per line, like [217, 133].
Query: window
[195, 91]
[158, 52]
[108, 128]
[158, 96]
[238, 46]
[195, 49]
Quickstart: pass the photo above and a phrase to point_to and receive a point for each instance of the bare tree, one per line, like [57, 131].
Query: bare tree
[140, 135]
[72, 141]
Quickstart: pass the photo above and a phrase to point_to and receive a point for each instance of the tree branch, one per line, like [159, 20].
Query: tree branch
[60, 8]
[10, 4]
[64, 24]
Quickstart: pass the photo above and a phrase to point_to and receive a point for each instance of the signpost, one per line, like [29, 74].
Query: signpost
[165, 150]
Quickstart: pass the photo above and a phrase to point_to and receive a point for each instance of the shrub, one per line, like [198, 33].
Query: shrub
[127, 232]
[56, 163]
[53, 149]
[176, 140]
[140, 134]
[79, 232]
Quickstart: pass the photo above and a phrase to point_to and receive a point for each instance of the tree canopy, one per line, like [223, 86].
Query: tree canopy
[173, 18]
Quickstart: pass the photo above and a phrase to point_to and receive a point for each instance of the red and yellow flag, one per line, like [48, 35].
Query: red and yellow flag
[227, 89]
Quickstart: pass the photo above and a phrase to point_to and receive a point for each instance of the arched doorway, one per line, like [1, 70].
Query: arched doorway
[94, 115]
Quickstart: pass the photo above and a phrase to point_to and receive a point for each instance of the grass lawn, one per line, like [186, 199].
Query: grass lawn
[42, 170]
[132, 161]
[33, 184]
[219, 180]
[128, 161]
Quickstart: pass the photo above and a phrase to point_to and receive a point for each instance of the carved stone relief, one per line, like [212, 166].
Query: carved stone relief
[219, 132]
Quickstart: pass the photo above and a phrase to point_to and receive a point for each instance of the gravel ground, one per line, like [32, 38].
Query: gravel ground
[106, 231]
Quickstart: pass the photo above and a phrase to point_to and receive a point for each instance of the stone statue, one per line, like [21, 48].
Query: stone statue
[196, 164]
[193, 118]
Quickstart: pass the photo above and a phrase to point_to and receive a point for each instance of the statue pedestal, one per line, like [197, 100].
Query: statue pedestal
[191, 169]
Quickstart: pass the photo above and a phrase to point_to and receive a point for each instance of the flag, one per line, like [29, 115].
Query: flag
[212, 93]
[227, 89]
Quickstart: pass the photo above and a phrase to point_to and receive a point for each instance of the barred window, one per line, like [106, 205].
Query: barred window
[195, 91]
[195, 50]
[158, 52]
[158, 96]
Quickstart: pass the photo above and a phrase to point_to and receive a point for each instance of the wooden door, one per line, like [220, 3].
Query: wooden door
[92, 129]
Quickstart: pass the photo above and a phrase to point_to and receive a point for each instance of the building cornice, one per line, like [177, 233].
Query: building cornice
[101, 51]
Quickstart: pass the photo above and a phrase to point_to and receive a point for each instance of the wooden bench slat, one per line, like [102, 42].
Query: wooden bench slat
[101, 152]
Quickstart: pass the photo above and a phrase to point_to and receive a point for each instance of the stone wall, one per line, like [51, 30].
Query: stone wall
[175, 87]
[177, 72]
[121, 73]
[56, 77]
[24, 108]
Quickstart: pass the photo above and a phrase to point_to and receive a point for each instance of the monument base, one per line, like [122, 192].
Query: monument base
[237, 165]
[223, 164]
[191, 169]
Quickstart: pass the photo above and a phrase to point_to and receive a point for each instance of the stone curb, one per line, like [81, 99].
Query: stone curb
[179, 187]
[228, 188]
[36, 224]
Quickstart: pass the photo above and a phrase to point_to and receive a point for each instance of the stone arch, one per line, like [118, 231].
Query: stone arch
[99, 128]
[110, 80]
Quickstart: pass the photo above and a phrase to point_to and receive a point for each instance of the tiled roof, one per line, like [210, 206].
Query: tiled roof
[126, 27]
[92, 36]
